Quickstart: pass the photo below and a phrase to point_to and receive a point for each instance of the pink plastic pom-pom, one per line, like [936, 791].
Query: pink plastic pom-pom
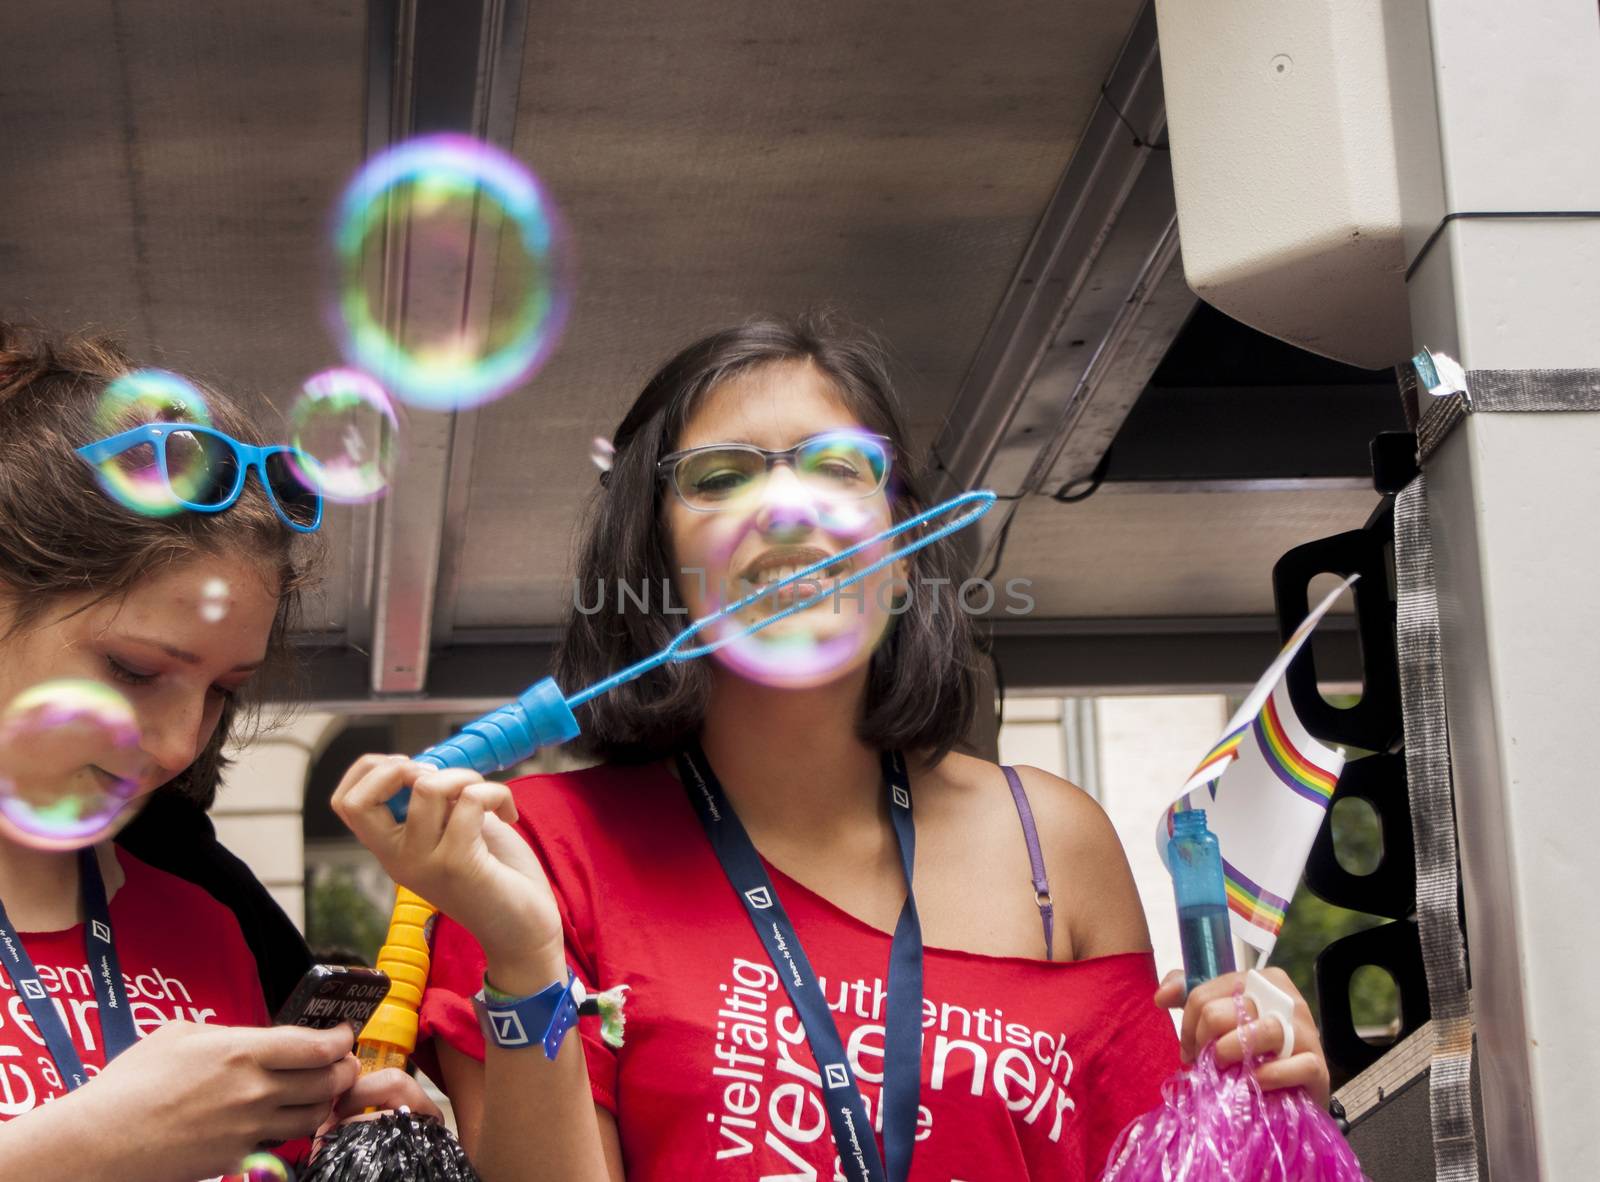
[1218, 1125]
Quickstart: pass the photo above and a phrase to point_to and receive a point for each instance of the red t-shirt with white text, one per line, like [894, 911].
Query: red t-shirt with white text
[183, 959]
[1030, 1069]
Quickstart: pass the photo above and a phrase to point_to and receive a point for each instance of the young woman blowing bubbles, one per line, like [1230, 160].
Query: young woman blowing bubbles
[178, 1081]
[741, 860]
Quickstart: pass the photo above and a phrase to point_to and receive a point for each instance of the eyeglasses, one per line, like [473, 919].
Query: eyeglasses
[202, 469]
[838, 465]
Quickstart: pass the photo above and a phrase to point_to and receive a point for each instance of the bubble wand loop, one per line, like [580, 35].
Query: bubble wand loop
[983, 499]
[542, 716]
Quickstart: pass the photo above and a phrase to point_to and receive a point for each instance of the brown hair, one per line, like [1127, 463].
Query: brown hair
[921, 689]
[61, 535]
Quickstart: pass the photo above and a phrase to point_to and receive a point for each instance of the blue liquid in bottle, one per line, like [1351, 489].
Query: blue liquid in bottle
[1204, 933]
[1207, 941]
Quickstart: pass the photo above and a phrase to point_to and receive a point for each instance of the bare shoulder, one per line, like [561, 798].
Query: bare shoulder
[1090, 881]
[1067, 817]
[1074, 821]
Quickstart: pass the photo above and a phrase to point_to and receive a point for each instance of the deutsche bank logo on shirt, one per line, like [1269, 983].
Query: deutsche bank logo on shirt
[759, 897]
[836, 1075]
[902, 797]
[101, 932]
[508, 1030]
[33, 989]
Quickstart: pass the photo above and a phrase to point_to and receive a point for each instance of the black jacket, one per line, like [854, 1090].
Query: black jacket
[173, 834]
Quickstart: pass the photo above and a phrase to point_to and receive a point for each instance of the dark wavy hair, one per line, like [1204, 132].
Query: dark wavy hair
[921, 688]
[61, 536]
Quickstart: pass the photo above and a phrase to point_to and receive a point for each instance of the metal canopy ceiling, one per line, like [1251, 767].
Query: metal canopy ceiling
[167, 170]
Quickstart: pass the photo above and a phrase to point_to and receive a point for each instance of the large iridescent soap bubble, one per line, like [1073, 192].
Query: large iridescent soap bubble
[346, 431]
[70, 763]
[484, 257]
[133, 478]
[810, 647]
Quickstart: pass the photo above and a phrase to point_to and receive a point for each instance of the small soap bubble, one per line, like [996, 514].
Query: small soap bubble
[345, 429]
[133, 478]
[480, 233]
[70, 761]
[215, 600]
[263, 1167]
[601, 453]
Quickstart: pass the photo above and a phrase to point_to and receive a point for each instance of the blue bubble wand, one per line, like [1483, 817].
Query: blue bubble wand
[542, 716]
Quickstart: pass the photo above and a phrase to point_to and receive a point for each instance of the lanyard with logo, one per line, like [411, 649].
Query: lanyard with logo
[902, 1059]
[116, 1023]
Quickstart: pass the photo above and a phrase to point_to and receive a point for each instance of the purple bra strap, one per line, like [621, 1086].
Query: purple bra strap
[1041, 880]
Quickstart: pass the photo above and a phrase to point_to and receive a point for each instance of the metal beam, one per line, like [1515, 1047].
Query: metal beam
[1081, 658]
[1068, 657]
[433, 65]
[1244, 434]
[1092, 307]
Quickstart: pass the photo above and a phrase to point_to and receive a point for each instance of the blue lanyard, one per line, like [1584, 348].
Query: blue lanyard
[116, 1022]
[902, 1065]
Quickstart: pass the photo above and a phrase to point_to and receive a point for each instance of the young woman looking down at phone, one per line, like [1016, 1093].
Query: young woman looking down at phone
[1006, 1026]
[91, 591]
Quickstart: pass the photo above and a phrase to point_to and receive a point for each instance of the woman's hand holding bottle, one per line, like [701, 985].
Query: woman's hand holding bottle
[1210, 1015]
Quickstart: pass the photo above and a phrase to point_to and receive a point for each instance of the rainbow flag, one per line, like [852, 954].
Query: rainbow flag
[1265, 786]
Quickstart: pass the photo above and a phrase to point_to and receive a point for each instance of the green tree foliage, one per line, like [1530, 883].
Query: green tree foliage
[340, 915]
[1312, 925]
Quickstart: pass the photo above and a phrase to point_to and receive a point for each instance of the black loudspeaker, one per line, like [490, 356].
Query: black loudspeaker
[1395, 948]
[1391, 889]
[1372, 723]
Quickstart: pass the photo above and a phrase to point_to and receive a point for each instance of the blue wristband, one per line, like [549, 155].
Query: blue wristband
[515, 1022]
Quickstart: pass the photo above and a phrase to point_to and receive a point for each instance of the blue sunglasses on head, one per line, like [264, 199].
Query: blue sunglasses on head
[202, 469]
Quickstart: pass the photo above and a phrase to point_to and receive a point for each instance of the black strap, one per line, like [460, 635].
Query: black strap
[902, 1069]
[116, 1022]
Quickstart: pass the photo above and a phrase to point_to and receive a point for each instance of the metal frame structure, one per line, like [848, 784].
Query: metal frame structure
[1492, 104]
[483, 668]
[432, 66]
[1094, 305]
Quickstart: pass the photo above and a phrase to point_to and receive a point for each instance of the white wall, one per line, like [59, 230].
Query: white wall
[258, 810]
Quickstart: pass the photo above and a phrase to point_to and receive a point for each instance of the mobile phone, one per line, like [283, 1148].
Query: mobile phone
[330, 994]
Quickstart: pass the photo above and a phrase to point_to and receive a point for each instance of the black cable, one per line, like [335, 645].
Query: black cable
[1138, 140]
[1095, 480]
[1490, 214]
[1060, 496]
[1000, 546]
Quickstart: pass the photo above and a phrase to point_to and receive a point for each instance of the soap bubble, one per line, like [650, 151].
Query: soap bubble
[149, 396]
[215, 600]
[69, 763]
[133, 478]
[345, 427]
[474, 230]
[813, 646]
[263, 1167]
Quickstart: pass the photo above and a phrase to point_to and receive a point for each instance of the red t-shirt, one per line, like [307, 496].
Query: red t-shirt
[183, 958]
[1030, 1069]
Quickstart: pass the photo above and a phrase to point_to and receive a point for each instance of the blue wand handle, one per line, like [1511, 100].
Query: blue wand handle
[506, 736]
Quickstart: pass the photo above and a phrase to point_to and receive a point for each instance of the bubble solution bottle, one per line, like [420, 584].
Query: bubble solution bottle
[1195, 860]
